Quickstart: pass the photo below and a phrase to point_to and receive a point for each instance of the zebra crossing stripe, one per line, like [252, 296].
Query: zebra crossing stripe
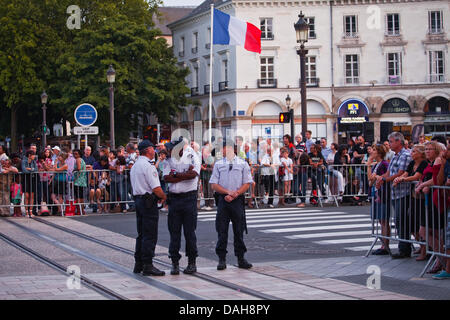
[306, 218]
[362, 248]
[342, 241]
[343, 226]
[250, 225]
[268, 215]
[263, 211]
[329, 235]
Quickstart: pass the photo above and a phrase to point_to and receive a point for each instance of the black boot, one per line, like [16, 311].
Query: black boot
[222, 264]
[138, 267]
[175, 268]
[191, 268]
[150, 270]
[244, 264]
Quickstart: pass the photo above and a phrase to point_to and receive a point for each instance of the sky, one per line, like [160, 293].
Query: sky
[182, 2]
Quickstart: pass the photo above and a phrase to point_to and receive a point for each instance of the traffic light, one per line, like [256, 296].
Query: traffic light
[284, 117]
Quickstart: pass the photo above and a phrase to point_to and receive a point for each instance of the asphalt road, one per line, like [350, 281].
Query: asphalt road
[320, 232]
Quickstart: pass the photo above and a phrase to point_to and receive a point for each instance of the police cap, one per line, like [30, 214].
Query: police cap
[172, 144]
[144, 145]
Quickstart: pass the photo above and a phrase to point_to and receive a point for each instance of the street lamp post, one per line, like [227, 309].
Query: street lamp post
[111, 77]
[302, 32]
[44, 98]
[291, 112]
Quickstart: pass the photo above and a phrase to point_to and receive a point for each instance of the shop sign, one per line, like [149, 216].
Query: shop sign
[437, 119]
[353, 111]
[353, 119]
[395, 105]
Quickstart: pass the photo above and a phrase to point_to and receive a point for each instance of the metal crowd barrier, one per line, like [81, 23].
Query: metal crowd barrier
[400, 214]
[397, 214]
[337, 183]
[56, 191]
[437, 226]
[63, 192]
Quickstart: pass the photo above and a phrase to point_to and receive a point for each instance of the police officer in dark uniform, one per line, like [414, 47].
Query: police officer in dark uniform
[181, 172]
[146, 191]
[230, 179]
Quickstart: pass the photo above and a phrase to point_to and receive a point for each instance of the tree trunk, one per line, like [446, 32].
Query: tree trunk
[14, 128]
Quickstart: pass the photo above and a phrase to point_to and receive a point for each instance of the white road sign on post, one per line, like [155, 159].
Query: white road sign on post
[85, 130]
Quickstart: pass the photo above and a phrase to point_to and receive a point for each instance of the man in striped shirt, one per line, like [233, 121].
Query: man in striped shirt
[400, 193]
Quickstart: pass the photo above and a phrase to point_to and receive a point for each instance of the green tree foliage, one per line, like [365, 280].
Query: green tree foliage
[38, 52]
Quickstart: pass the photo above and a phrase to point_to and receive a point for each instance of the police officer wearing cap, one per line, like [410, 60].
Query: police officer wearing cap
[146, 191]
[230, 179]
[182, 172]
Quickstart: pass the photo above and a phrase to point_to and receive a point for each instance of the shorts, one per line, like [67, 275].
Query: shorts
[30, 183]
[436, 219]
[79, 192]
[59, 187]
[380, 211]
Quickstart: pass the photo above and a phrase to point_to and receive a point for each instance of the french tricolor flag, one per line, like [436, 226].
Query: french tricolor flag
[232, 31]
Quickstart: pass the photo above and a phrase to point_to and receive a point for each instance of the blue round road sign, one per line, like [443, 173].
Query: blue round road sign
[85, 115]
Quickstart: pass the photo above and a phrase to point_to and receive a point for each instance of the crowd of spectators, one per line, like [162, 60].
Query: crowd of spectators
[397, 174]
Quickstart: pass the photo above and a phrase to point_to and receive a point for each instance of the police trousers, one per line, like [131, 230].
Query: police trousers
[182, 214]
[147, 229]
[230, 211]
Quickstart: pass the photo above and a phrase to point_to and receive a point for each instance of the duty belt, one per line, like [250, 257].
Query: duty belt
[184, 194]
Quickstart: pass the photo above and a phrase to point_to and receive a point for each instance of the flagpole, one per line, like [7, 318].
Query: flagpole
[211, 74]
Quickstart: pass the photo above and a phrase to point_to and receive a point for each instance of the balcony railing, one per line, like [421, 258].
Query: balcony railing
[392, 33]
[394, 79]
[435, 31]
[223, 85]
[206, 89]
[351, 35]
[267, 37]
[194, 50]
[181, 54]
[310, 82]
[267, 83]
[194, 91]
[437, 78]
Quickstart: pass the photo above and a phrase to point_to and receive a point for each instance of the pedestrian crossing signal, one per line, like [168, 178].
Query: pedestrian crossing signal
[284, 117]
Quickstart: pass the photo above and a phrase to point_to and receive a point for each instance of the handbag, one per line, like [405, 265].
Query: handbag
[281, 171]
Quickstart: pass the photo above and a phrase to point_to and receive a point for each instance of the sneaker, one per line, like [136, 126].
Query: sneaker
[442, 276]
[207, 208]
[270, 205]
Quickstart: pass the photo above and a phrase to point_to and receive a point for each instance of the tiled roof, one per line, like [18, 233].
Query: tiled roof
[169, 15]
[203, 7]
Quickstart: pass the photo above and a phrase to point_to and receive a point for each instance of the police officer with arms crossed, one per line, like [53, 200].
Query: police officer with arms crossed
[181, 172]
[230, 179]
[146, 190]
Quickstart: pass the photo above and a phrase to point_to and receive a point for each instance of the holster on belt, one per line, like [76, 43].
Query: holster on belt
[150, 200]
